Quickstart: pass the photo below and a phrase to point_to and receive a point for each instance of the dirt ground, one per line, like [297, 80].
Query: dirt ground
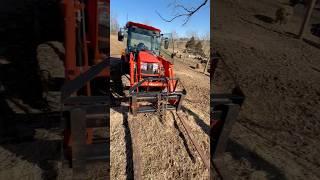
[277, 133]
[165, 151]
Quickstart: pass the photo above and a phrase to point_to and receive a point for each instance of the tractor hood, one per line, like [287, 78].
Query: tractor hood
[148, 56]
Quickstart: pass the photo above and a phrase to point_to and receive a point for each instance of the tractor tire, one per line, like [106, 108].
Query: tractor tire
[124, 66]
[50, 56]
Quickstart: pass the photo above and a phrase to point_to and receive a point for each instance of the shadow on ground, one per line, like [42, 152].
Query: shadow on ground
[129, 148]
[264, 18]
[205, 128]
[239, 152]
[18, 137]
[312, 43]
[263, 27]
[117, 88]
[23, 26]
[181, 135]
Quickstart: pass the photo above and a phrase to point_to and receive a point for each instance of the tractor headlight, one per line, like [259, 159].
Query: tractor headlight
[150, 68]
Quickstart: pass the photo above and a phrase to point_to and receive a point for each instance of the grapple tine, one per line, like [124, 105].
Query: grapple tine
[156, 102]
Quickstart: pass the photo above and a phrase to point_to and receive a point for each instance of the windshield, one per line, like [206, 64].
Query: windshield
[140, 39]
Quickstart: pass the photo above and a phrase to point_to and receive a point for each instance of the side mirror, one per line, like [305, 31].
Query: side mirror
[166, 43]
[120, 35]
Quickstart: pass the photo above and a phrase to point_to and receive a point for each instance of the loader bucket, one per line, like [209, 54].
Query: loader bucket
[156, 101]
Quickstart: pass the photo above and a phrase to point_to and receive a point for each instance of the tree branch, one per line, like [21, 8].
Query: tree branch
[187, 12]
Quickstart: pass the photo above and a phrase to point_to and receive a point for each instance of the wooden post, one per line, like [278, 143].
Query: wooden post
[306, 18]
[208, 61]
[206, 67]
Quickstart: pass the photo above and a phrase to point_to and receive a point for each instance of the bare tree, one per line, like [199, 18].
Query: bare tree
[206, 36]
[174, 34]
[194, 34]
[186, 12]
[175, 37]
[114, 24]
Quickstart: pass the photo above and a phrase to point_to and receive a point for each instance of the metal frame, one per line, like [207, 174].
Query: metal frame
[80, 81]
[80, 115]
[159, 98]
[225, 111]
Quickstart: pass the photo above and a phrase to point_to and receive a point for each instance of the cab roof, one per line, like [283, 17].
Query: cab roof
[143, 26]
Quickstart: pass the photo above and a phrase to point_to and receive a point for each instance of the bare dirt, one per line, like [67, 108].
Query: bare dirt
[277, 133]
[165, 150]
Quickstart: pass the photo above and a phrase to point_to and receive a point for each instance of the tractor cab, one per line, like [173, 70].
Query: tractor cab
[143, 45]
[142, 37]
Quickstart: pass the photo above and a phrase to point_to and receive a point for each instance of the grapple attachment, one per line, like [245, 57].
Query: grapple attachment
[170, 97]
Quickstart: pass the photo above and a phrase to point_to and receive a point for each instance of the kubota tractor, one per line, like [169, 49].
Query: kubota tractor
[153, 87]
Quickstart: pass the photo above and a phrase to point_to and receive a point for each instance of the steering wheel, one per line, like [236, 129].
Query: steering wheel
[141, 46]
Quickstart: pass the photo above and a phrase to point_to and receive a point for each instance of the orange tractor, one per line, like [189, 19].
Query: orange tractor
[153, 87]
